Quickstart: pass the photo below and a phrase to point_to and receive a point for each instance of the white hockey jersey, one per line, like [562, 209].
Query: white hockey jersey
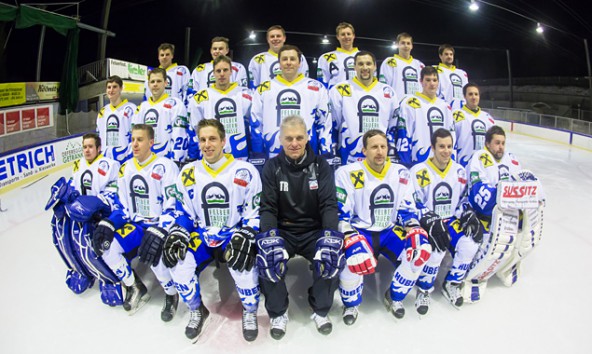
[419, 118]
[177, 82]
[484, 168]
[470, 128]
[452, 80]
[336, 66]
[168, 118]
[114, 129]
[443, 192]
[202, 76]
[277, 99]
[265, 67]
[222, 198]
[374, 201]
[148, 191]
[356, 108]
[401, 74]
[97, 177]
[233, 109]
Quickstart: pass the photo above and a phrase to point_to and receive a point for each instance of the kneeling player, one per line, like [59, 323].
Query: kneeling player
[440, 194]
[220, 216]
[513, 221]
[377, 214]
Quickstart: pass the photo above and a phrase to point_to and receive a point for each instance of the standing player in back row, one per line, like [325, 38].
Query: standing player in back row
[452, 79]
[338, 65]
[401, 71]
[362, 104]
[265, 66]
[177, 76]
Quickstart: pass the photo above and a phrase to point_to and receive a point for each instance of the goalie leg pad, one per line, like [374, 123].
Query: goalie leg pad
[77, 282]
[247, 286]
[111, 293]
[473, 291]
[351, 286]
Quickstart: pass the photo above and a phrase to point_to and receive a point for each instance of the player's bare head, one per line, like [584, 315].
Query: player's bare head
[92, 137]
[276, 28]
[114, 80]
[276, 37]
[440, 133]
[491, 132]
[344, 25]
[213, 123]
[221, 39]
[444, 47]
[91, 146]
[428, 71]
[468, 86]
[222, 59]
[404, 35]
[157, 71]
[370, 134]
[287, 47]
[495, 141]
[446, 53]
[167, 46]
[293, 136]
[363, 53]
[147, 129]
[219, 46]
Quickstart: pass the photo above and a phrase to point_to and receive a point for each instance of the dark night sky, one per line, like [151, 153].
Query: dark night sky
[141, 25]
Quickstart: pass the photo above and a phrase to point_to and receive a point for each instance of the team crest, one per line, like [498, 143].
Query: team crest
[423, 177]
[357, 178]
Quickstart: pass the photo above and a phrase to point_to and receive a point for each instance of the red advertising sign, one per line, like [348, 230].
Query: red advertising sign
[13, 122]
[28, 119]
[43, 117]
[1, 123]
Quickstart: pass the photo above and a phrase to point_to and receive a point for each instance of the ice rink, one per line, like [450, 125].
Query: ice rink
[547, 311]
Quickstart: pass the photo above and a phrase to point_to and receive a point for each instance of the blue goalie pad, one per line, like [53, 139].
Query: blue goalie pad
[63, 242]
[111, 294]
[77, 282]
[87, 208]
[61, 191]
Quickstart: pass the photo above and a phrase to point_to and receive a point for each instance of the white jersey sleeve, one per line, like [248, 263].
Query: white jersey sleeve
[100, 176]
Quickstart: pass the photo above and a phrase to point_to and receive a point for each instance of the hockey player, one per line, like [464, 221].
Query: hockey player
[378, 216]
[338, 65]
[510, 202]
[298, 216]
[401, 71]
[452, 79]
[114, 122]
[420, 115]
[440, 186]
[219, 221]
[470, 124]
[291, 93]
[168, 117]
[203, 75]
[265, 66]
[362, 104]
[230, 104]
[177, 76]
[94, 174]
[144, 209]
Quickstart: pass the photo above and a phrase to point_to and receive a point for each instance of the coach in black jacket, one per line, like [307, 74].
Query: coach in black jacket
[298, 202]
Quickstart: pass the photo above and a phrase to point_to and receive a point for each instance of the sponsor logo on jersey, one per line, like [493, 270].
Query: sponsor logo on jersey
[474, 177]
[486, 160]
[126, 230]
[151, 117]
[242, 177]
[121, 170]
[504, 172]
[172, 192]
[519, 191]
[368, 108]
[274, 70]
[86, 182]
[215, 204]
[260, 59]
[287, 104]
[344, 90]
[188, 176]
[458, 116]
[381, 205]
[349, 65]
[423, 177]
[329, 57]
[225, 112]
[257, 200]
[139, 193]
[158, 172]
[442, 197]
[112, 130]
[413, 102]
[76, 166]
[357, 178]
[201, 96]
[313, 87]
[341, 195]
[103, 167]
[194, 241]
[392, 62]
[435, 119]
[263, 87]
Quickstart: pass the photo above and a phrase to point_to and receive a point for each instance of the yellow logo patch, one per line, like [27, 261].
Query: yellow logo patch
[357, 178]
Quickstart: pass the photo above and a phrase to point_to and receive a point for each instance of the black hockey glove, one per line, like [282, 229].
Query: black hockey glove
[437, 231]
[471, 225]
[241, 251]
[103, 236]
[175, 246]
[150, 249]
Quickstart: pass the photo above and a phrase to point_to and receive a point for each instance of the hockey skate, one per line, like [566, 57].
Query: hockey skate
[323, 323]
[394, 307]
[278, 326]
[350, 315]
[170, 307]
[197, 318]
[422, 301]
[136, 296]
[250, 327]
[453, 293]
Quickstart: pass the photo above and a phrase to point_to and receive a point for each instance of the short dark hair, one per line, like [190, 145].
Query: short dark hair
[275, 27]
[165, 46]
[494, 130]
[146, 128]
[223, 58]
[364, 52]
[94, 136]
[290, 47]
[441, 133]
[470, 84]
[212, 123]
[221, 39]
[404, 35]
[344, 25]
[115, 79]
[160, 71]
[445, 46]
[370, 134]
[428, 71]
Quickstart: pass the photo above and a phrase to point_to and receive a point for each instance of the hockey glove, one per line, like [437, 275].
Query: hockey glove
[359, 254]
[437, 231]
[417, 247]
[175, 246]
[471, 225]
[272, 257]
[103, 236]
[329, 261]
[241, 252]
[150, 249]
[77, 282]
[111, 294]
